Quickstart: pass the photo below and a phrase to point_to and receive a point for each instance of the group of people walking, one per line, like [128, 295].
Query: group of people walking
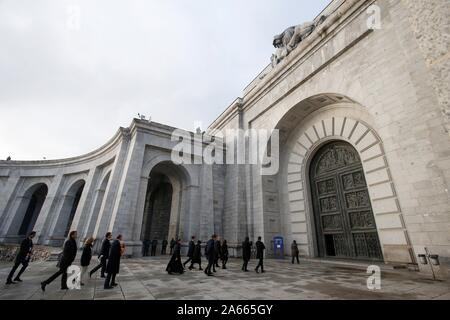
[112, 250]
[215, 250]
[109, 260]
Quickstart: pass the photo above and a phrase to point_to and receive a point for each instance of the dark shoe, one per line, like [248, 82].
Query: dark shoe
[10, 282]
[210, 275]
[262, 271]
[245, 270]
[81, 284]
[114, 284]
[200, 269]
[103, 276]
[43, 285]
[65, 288]
[106, 288]
[256, 270]
[18, 280]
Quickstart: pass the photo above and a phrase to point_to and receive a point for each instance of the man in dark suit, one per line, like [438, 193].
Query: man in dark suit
[154, 245]
[113, 266]
[164, 247]
[172, 244]
[260, 247]
[246, 253]
[190, 253]
[209, 252]
[103, 256]
[23, 257]
[68, 256]
[216, 253]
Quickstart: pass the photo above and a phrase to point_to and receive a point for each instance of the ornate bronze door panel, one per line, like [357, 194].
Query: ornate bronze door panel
[344, 220]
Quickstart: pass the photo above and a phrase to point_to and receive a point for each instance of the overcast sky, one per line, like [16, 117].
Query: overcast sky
[73, 72]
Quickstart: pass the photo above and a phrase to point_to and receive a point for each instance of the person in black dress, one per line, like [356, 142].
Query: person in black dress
[103, 256]
[145, 247]
[113, 266]
[197, 256]
[260, 247]
[175, 265]
[190, 251]
[246, 253]
[86, 257]
[68, 256]
[224, 254]
[23, 257]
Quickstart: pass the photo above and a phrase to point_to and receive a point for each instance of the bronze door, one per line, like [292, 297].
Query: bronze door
[344, 220]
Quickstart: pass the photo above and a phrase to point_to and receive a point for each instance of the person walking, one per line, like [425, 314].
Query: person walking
[154, 245]
[68, 256]
[174, 265]
[172, 245]
[190, 253]
[224, 254]
[103, 256]
[197, 256]
[164, 247]
[145, 247]
[113, 265]
[23, 257]
[260, 247]
[86, 257]
[294, 252]
[217, 253]
[246, 253]
[209, 252]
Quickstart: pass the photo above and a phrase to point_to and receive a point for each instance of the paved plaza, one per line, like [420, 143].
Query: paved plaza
[146, 279]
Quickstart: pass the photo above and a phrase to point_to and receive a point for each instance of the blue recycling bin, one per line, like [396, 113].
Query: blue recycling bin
[278, 247]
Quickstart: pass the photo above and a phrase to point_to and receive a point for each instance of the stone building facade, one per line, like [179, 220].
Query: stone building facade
[364, 169]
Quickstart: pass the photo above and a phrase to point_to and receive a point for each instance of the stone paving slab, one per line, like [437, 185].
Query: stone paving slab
[146, 279]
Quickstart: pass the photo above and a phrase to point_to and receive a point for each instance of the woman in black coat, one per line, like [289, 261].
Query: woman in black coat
[175, 265]
[86, 257]
[113, 266]
[68, 256]
[224, 254]
[197, 256]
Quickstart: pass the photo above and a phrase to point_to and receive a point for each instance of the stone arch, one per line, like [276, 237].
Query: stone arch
[70, 199]
[31, 203]
[183, 179]
[347, 122]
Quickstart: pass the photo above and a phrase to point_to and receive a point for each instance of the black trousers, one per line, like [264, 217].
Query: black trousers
[110, 279]
[61, 271]
[163, 250]
[295, 256]
[210, 265]
[187, 261]
[153, 251]
[14, 268]
[244, 266]
[260, 264]
[224, 262]
[102, 265]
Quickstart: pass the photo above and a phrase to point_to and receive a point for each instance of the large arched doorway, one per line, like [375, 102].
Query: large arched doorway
[35, 198]
[163, 206]
[344, 220]
[157, 208]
